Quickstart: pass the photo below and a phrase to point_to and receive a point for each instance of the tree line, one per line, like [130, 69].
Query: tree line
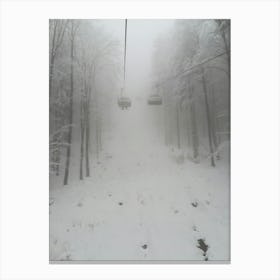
[191, 66]
[192, 73]
[82, 59]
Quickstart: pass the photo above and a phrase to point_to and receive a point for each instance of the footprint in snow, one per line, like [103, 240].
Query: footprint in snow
[194, 228]
[120, 203]
[194, 204]
[203, 246]
[145, 246]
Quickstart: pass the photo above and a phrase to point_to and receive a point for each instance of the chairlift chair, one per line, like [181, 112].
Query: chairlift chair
[124, 102]
[155, 99]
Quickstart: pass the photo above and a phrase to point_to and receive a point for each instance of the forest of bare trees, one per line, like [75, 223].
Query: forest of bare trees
[139, 130]
[163, 139]
[82, 58]
[193, 76]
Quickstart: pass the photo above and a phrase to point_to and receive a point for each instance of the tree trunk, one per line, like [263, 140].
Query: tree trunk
[194, 131]
[208, 119]
[229, 69]
[226, 45]
[51, 74]
[178, 126]
[216, 140]
[57, 140]
[87, 137]
[68, 153]
[87, 150]
[194, 134]
[165, 124]
[82, 138]
[52, 54]
[227, 48]
[82, 152]
[188, 128]
[97, 137]
[100, 132]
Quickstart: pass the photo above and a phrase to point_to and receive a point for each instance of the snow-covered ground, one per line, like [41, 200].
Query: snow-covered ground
[140, 203]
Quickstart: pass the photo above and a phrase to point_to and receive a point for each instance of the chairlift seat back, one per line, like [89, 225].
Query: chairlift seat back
[155, 100]
[124, 102]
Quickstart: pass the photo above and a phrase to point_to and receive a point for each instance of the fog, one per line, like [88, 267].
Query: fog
[139, 167]
[141, 38]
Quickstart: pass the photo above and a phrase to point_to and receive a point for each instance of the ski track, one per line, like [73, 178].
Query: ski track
[139, 196]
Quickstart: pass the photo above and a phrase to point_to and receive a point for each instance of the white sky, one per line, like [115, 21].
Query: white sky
[141, 35]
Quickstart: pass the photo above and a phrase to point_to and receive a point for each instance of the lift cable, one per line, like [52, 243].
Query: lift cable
[124, 64]
[124, 102]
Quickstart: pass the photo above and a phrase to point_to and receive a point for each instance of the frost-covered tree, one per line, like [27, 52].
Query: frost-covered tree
[191, 65]
[57, 30]
[82, 57]
[73, 28]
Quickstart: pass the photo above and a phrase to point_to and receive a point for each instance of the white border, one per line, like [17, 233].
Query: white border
[255, 138]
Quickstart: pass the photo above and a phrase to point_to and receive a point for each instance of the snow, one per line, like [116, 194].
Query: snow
[143, 201]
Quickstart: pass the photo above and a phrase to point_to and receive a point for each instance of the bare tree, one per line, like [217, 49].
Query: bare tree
[57, 30]
[223, 29]
[73, 30]
[199, 43]
[178, 125]
[87, 128]
[82, 124]
[195, 143]
[208, 118]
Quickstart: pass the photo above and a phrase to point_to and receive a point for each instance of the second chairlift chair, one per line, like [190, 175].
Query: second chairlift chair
[155, 99]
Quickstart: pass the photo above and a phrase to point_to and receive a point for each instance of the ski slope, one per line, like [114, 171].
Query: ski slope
[141, 203]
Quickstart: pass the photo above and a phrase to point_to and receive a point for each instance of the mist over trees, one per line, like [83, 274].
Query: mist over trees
[139, 135]
[83, 69]
[192, 73]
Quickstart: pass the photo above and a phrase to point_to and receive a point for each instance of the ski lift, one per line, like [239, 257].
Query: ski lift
[154, 99]
[124, 102]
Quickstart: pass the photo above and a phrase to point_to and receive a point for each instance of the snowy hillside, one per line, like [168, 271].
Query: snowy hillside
[142, 202]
